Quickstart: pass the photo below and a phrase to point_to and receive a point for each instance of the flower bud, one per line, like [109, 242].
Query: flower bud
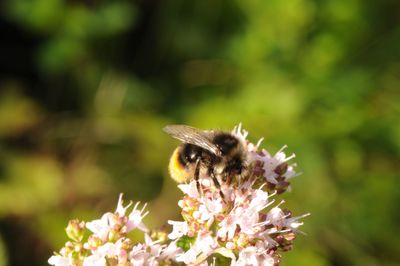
[75, 230]
[281, 169]
[127, 244]
[112, 261]
[113, 235]
[78, 247]
[159, 235]
[94, 242]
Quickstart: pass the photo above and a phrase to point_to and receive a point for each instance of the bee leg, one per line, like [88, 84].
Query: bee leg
[226, 178]
[196, 175]
[244, 174]
[216, 183]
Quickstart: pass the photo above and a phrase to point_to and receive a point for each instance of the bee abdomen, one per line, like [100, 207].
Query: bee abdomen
[177, 168]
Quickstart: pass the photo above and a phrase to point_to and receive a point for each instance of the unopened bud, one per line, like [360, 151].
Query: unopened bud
[159, 235]
[282, 187]
[281, 169]
[112, 261]
[270, 186]
[78, 247]
[127, 244]
[113, 235]
[289, 236]
[75, 230]
[94, 242]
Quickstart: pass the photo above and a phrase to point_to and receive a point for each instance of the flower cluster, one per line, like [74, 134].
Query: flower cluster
[243, 225]
[109, 244]
[238, 223]
[274, 171]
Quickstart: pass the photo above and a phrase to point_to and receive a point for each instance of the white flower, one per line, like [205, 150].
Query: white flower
[206, 243]
[276, 217]
[151, 253]
[227, 227]
[121, 210]
[203, 246]
[109, 249]
[94, 260]
[171, 251]
[190, 189]
[245, 215]
[59, 260]
[179, 229]
[154, 246]
[294, 222]
[271, 162]
[110, 221]
[99, 255]
[101, 227]
[259, 200]
[135, 219]
[252, 256]
[240, 133]
[188, 257]
[138, 255]
[208, 209]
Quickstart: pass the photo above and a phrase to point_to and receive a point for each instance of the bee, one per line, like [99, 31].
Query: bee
[217, 154]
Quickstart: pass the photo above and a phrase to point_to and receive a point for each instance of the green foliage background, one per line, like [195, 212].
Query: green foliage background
[86, 87]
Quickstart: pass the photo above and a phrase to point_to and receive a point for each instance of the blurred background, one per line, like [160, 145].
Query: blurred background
[86, 87]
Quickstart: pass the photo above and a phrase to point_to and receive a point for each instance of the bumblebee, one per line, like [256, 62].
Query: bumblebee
[217, 154]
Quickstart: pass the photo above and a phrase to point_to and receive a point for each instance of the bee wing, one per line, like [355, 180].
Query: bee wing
[193, 136]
